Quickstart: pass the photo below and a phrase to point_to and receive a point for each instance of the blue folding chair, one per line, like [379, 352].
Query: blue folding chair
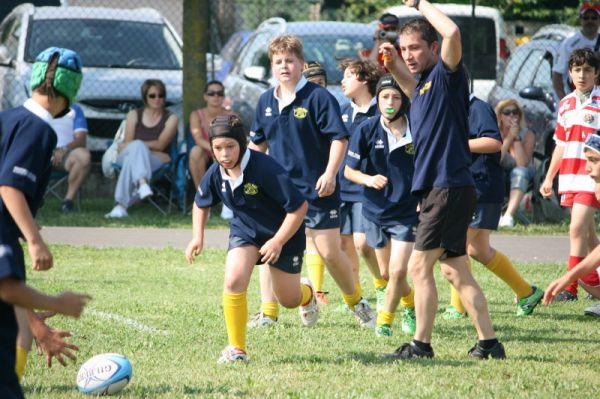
[57, 179]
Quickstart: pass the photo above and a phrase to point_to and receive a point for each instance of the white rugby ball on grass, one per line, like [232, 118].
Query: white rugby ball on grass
[104, 374]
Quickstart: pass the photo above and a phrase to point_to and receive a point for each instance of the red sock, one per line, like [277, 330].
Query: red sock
[573, 261]
[591, 279]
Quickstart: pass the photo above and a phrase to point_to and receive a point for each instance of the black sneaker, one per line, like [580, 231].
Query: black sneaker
[496, 352]
[408, 351]
[565, 296]
[67, 206]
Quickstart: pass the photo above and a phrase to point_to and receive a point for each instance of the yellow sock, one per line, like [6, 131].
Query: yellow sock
[270, 309]
[455, 300]
[408, 302]
[354, 298]
[306, 294]
[502, 267]
[316, 270]
[379, 283]
[385, 317]
[235, 308]
[21, 362]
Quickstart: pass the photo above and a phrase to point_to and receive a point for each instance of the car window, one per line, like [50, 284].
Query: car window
[105, 43]
[9, 36]
[528, 69]
[232, 47]
[513, 68]
[543, 75]
[255, 52]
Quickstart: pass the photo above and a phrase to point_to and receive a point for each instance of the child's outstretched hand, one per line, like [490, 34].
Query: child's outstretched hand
[193, 249]
[71, 303]
[555, 288]
[41, 258]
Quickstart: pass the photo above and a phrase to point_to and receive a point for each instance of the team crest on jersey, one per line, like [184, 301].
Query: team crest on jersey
[333, 214]
[588, 118]
[268, 111]
[379, 144]
[345, 118]
[425, 87]
[300, 113]
[410, 149]
[250, 189]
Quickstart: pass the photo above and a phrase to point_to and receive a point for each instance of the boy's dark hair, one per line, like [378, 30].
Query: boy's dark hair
[213, 82]
[422, 26]
[148, 83]
[366, 71]
[47, 86]
[584, 56]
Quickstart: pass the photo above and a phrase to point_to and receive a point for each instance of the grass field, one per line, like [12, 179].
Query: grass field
[166, 317]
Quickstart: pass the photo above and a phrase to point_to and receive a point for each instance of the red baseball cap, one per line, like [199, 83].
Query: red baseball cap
[589, 6]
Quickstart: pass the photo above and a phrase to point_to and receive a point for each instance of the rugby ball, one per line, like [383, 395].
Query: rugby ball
[104, 374]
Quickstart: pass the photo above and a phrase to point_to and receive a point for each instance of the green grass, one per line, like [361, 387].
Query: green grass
[552, 353]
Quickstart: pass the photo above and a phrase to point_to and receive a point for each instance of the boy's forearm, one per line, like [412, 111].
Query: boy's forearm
[15, 202]
[587, 265]
[555, 161]
[337, 153]
[199, 217]
[19, 294]
[291, 223]
[355, 176]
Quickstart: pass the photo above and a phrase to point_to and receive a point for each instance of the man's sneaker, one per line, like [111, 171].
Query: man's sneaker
[506, 221]
[409, 321]
[322, 298]
[383, 330]
[525, 306]
[593, 310]
[144, 191]
[261, 320]
[565, 296]
[67, 206]
[309, 313]
[364, 314]
[496, 352]
[380, 297]
[409, 351]
[117, 212]
[231, 354]
[452, 314]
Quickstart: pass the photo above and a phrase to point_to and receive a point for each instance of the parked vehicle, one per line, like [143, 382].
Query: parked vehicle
[484, 40]
[229, 53]
[324, 41]
[119, 49]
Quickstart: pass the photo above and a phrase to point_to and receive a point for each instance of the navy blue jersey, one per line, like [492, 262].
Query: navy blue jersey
[486, 169]
[349, 191]
[26, 147]
[259, 204]
[439, 122]
[300, 137]
[369, 151]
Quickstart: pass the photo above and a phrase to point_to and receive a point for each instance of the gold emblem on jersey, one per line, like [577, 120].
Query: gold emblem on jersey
[250, 189]
[425, 87]
[588, 118]
[410, 149]
[300, 113]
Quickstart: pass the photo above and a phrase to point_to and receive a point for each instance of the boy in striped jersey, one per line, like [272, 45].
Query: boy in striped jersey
[578, 116]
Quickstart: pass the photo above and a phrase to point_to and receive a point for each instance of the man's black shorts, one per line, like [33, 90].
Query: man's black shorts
[445, 215]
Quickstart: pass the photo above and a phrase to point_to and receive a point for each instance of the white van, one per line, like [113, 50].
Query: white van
[485, 45]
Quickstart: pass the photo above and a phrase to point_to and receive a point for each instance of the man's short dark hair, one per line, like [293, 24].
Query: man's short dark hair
[584, 56]
[422, 26]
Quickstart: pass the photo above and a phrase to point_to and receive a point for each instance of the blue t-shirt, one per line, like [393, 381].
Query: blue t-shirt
[439, 122]
[299, 138]
[486, 169]
[26, 147]
[259, 204]
[369, 151]
[349, 191]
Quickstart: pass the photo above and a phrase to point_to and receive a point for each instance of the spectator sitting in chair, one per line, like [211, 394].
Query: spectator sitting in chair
[149, 132]
[70, 154]
[518, 143]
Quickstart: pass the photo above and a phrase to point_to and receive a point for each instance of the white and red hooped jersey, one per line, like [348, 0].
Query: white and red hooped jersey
[576, 120]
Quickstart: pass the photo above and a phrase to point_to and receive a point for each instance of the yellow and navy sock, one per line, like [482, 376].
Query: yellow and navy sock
[316, 270]
[502, 267]
[21, 362]
[270, 309]
[235, 308]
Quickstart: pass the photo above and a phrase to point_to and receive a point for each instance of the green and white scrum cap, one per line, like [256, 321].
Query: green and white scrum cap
[68, 75]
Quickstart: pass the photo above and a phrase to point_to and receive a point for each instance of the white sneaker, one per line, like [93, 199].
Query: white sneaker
[309, 314]
[117, 212]
[506, 221]
[231, 354]
[260, 320]
[144, 191]
[364, 314]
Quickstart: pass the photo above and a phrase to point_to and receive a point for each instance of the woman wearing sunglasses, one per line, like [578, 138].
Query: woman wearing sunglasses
[149, 132]
[517, 154]
[200, 153]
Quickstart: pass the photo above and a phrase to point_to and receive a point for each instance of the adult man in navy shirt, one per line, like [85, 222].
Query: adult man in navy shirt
[433, 76]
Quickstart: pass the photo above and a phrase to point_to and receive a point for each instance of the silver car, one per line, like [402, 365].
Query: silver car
[119, 50]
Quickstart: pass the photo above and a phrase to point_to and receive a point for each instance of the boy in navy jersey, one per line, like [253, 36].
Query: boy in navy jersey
[485, 143]
[267, 228]
[433, 77]
[381, 158]
[299, 123]
[26, 145]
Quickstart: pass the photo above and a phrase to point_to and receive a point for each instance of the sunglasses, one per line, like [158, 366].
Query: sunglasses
[219, 93]
[589, 18]
[513, 111]
[153, 95]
